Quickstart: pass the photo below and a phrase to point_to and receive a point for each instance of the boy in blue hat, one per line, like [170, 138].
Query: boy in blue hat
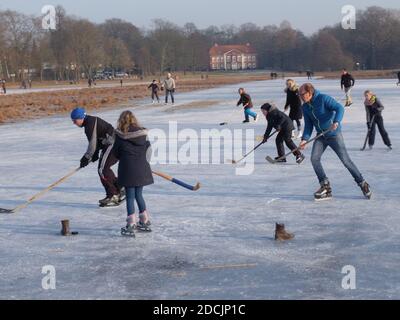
[100, 135]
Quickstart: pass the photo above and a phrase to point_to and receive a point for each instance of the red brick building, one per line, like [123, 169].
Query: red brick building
[233, 57]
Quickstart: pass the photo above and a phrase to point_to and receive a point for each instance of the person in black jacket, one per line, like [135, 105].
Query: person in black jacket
[398, 76]
[294, 102]
[154, 91]
[347, 83]
[100, 135]
[373, 109]
[132, 149]
[245, 100]
[284, 125]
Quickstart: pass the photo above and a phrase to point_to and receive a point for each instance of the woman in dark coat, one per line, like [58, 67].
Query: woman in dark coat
[293, 101]
[131, 147]
[373, 109]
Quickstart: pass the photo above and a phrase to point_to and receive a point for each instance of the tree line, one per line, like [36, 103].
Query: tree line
[79, 46]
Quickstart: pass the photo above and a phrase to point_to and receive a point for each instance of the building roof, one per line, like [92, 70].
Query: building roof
[220, 50]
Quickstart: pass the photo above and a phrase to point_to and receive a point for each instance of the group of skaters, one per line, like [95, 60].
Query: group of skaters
[325, 114]
[169, 85]
[128, 144]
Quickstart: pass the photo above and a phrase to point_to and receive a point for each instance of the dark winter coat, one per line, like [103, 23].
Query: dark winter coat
[278, 120]
[131, 150]
[373, 107]
[99, 133]
[154, 87]
[245, 99]
[398, 75]
[293, 100]
[347, 81]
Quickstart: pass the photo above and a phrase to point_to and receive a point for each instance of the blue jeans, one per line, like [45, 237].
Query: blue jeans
[169, 92]
[248, 112]
[337, 145]
[133, 194]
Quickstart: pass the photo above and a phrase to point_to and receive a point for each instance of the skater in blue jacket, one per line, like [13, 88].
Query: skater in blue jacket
[325, 114]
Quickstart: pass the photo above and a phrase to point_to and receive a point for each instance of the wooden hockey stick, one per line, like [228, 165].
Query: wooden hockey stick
[36, 196]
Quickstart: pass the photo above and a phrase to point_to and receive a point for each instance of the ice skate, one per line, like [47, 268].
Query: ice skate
[144, 222]
[323, 193]
[110, 202]
[300, 158]
[365, 188]
[129, 230]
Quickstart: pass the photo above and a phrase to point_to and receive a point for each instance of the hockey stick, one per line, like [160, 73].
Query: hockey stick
[368, 133]
[178, 182]
[24, 205]
[273, 161]
[259, 145]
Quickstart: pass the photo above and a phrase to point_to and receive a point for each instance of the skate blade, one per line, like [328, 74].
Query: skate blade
[110, 205]
[127, 234]
[6, 211]
[322, 199]
[143, 229]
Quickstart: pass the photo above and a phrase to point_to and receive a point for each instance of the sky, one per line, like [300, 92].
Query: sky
[308, 17]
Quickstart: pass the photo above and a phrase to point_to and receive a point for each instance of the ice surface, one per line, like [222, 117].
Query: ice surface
[216, 243]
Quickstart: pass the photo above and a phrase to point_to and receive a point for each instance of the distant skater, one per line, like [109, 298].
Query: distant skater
[169, 86]
[245, 100]
[3, 86]
[373, 109]
[347, 83]
[294, 102]
[154, 91]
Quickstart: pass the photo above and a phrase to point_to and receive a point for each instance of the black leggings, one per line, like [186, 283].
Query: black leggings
[378, 121]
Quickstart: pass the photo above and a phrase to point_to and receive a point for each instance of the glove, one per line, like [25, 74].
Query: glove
[265, 139]
[95, 157]
[84, 162]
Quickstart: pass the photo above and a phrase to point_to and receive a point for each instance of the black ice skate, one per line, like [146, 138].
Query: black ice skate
[278, 160]
[300, 158]
[323, 193]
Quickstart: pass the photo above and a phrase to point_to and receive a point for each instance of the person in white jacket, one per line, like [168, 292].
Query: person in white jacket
[169, 86]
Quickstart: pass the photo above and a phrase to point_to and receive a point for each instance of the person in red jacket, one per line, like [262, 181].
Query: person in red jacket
[245, 100]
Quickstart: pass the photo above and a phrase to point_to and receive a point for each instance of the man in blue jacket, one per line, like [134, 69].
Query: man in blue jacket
[325, 114]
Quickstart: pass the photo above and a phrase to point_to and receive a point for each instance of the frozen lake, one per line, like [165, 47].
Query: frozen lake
[216, 243]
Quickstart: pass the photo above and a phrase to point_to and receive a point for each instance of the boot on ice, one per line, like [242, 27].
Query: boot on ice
[281, 234]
